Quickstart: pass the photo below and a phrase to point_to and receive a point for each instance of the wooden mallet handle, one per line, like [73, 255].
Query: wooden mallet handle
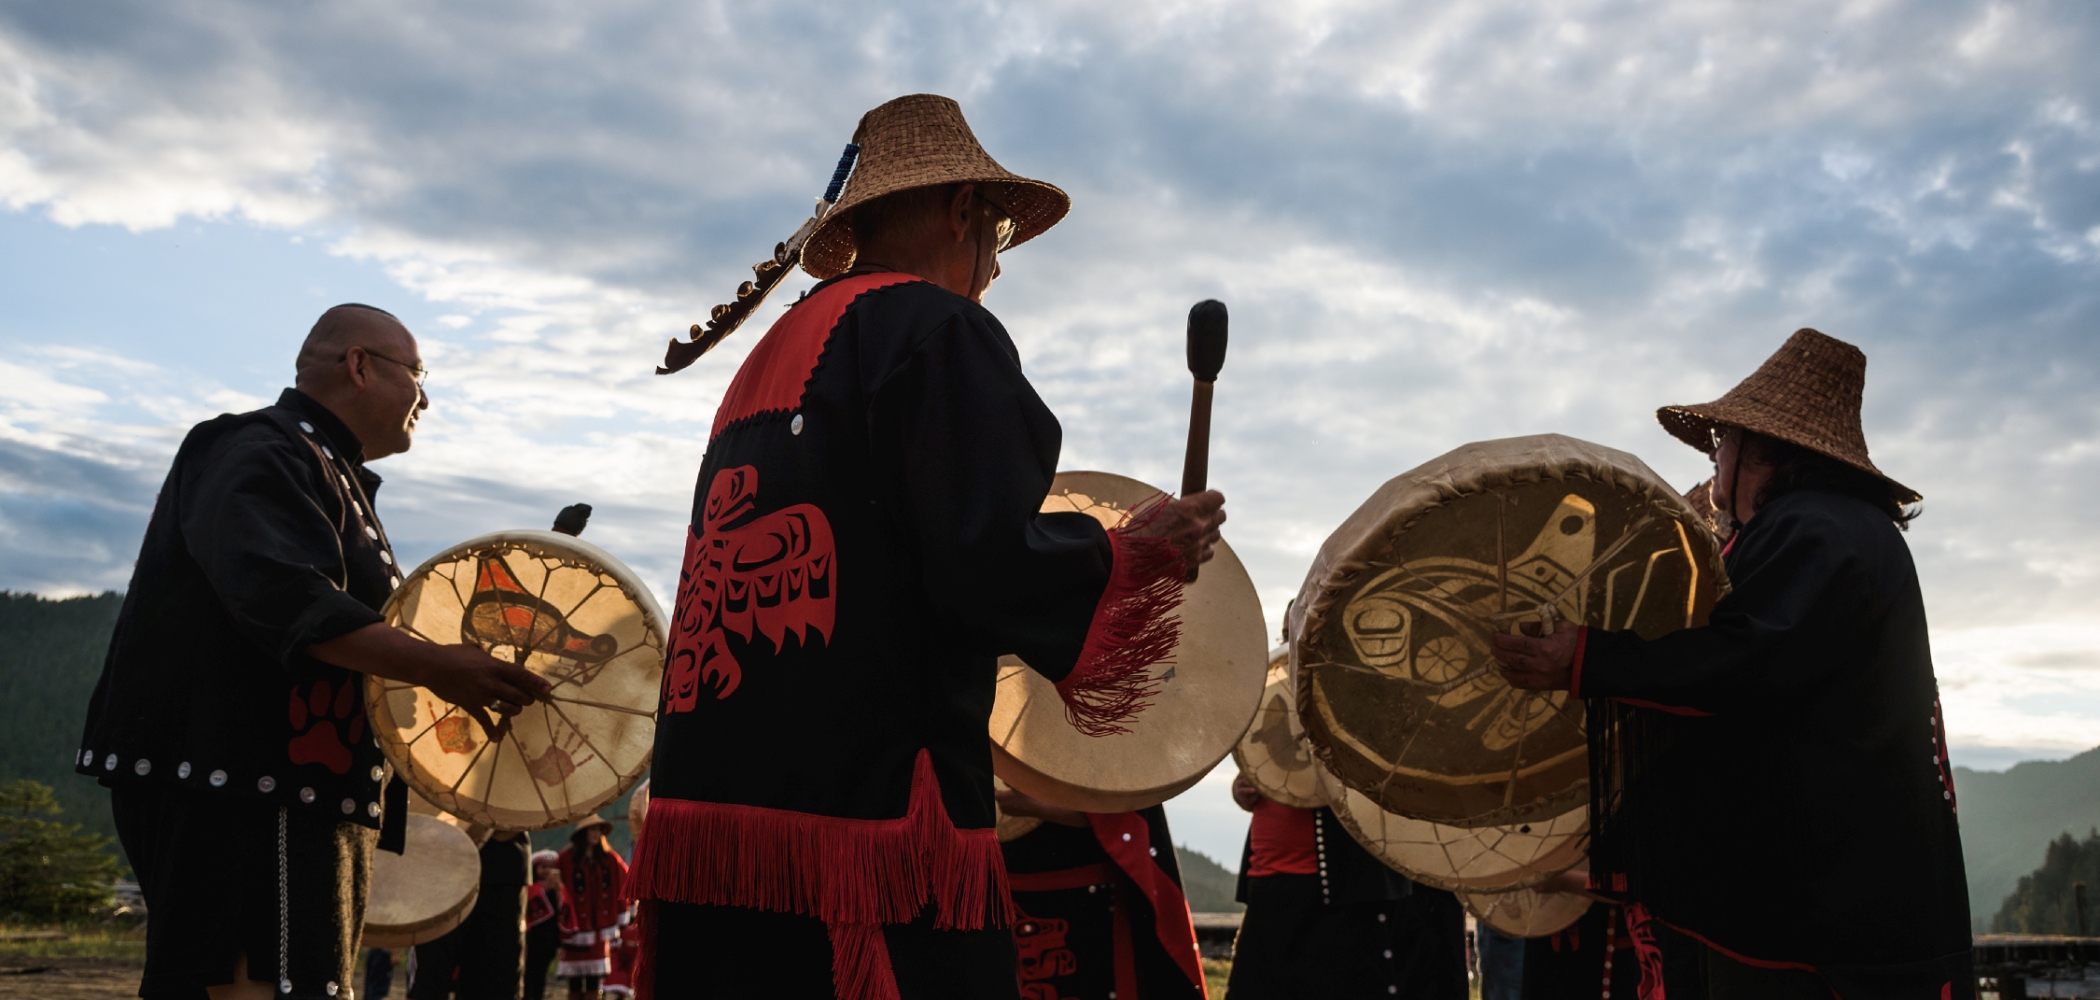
[1206, 357]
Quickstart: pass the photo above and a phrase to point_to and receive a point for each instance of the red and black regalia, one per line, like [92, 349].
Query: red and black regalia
[865, 543]
[1327, 921]
[1594, 958]
[595, 907]
[1101, 911]
[246, 787]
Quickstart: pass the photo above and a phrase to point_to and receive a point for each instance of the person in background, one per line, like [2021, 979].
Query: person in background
[1501, 963]
[1102, 911]
[542, 922]
[379, 973]
[594, 907]
[1328, 921]
[482, 958]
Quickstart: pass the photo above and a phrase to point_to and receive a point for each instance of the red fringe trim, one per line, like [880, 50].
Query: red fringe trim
[853, 874]
[1134, 630]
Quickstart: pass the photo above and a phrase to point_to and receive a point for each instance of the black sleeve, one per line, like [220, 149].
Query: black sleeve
[253, 520]
[1801, 579]
[977, 450]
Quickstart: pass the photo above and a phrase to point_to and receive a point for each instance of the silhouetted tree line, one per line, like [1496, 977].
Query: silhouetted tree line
[2046, 902]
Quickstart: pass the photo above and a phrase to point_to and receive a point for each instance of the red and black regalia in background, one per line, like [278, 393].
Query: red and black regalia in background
[542, 927]
[1101, 911]
[1788, 799]
[595, 908]
[246, 788]
[1327, 921]
[865, 543]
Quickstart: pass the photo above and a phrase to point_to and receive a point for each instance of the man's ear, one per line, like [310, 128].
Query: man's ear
[357, 366]
[959, 212]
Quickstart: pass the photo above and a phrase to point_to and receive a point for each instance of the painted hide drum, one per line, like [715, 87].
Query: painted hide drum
[1461, 858]
[569, 612]
[1396, 689]
[425, 891]
[1012, 826]
[1527, 913]
[1273, 752]
[1208, 690]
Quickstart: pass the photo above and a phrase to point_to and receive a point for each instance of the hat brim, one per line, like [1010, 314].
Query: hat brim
[1694, 424]
[1034, 206]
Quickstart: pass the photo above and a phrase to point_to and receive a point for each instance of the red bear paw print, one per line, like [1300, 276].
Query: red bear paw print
[326, 744]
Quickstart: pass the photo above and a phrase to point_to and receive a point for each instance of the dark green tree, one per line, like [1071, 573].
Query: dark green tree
[2044, 902]
[48, 870]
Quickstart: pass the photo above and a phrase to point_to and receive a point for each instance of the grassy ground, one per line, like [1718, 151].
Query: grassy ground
[79, 962]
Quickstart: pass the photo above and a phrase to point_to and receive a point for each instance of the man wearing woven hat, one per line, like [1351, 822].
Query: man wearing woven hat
[1787, 803]
[865, 543]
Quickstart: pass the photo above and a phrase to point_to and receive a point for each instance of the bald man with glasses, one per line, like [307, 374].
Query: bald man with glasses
[229, 722]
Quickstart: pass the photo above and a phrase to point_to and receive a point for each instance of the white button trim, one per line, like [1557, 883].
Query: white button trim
[349, 806]
[372, 809]
[143, 767]
[378, 773]
[795, 427]
[306, 795]
[182, 770]
[109, 763]
[266, 784]
[218, 779]
[308, 428]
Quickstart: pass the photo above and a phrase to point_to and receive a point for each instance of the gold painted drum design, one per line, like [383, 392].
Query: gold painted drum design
[425, 891]
[569, 612]
[1526, 913]
[1461, 858]
[1273, 752]
[1397, 692]
[1208, 690]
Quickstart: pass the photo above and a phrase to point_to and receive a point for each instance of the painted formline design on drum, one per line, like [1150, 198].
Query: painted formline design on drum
[1273, 753]
[567, 611]
[1398, 693]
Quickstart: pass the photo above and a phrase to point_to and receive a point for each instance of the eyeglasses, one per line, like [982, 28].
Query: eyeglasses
[418, 371]
[1005, 228]
[1721, 435]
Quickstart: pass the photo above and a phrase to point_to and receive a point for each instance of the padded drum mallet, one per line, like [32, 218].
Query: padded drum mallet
[1206, 356]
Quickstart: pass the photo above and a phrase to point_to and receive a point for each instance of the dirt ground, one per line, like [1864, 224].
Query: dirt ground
[69, 978]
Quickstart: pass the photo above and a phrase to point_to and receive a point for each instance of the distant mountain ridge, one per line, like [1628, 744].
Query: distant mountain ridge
[2008, 819]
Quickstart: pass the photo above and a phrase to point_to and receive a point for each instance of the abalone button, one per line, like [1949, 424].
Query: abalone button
[182, 770]
[218, 779]
[306, 795]
[266, 784]
[304, 426]
[349, 806]
[109, 763]
[142, 767]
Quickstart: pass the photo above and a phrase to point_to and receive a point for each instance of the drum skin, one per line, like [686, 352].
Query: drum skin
[425, 891]
[1273, 753]
[1396, 689]
[1207, 696]
[1011, 826]
[1526, 913]
[1459, 858]
[564, 609]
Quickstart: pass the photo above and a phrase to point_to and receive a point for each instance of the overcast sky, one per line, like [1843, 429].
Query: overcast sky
[1433, 222]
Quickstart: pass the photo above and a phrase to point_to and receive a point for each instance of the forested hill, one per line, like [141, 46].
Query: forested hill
[50, 654]
[2009, 818]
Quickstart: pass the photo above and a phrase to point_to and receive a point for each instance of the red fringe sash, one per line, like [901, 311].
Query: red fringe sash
[854, 874]
[1134, 629]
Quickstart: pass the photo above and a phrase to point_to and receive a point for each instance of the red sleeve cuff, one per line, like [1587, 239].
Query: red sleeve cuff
[1582, 643]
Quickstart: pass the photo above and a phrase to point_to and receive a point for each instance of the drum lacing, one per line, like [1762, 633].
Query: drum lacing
[284, 905]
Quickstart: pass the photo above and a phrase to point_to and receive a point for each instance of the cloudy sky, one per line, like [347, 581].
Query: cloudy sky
[1434, 222]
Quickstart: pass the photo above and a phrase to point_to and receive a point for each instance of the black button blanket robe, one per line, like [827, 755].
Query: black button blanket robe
[865, 543]
[1787, 796]
[1102, 912]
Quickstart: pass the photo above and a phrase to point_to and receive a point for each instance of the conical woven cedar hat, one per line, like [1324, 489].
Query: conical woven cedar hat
[1807, 393]
[920, 141]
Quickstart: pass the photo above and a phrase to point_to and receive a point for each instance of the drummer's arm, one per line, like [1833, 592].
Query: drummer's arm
[251, 520]
[970, 447]
[1754, 643]
[462, 674]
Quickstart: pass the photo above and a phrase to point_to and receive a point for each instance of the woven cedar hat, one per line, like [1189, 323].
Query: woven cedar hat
[920, 141]
[1807, 393]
